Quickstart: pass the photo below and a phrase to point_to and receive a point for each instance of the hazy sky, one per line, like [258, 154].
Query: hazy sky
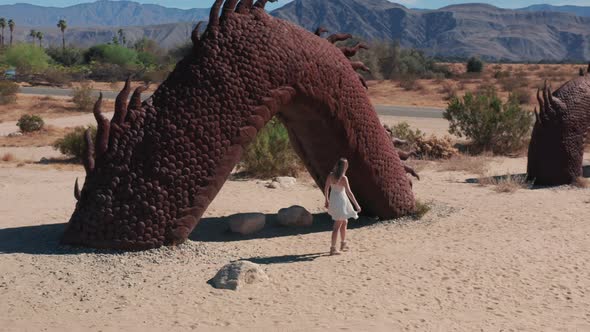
[409, 3]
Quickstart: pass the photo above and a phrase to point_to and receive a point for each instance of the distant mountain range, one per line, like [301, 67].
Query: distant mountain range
[100, 13]
[539, 32]
[452, 31]
[576, 10]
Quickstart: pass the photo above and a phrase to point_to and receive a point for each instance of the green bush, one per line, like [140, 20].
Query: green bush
[83, 98]
[404, 132]
[27, 58]
[474, 65]
[29, 123]
[490, 124]
[8, 91]
[112, 54]
[74, 144]
[271, 154]
[71, 56]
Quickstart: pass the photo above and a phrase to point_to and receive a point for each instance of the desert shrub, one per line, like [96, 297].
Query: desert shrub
[27, 58]
[430, 147]
[506, 183]
[421, 210]
[82, 97]
[489, 123]
[8, 91]
[74, 144]
[474, 65]
[30, 123]
[71, 56]
[522, 95]
[513, 83]
[534, 67]
[111, 54]
[448, 89]
[410, 83]
[57, 76]
[271, 153]
[433, 147]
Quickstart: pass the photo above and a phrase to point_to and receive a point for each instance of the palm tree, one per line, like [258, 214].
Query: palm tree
[11, 27]
[39, 36]
[33, 34]
[63, 25]
[2, 26]
[122, 39]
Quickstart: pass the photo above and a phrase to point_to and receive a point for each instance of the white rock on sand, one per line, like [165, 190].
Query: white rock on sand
[238, 274]
[295, 216]
[283, 182]
[246, 223]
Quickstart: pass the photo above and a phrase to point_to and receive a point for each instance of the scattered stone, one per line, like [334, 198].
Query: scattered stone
[44, 161]
[246, 223]
[286, 181]
[273, 185]
[15, 134]
[295, 216]
[237, 274]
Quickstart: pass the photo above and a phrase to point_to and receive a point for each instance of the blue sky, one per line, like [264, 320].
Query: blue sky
[409, 3]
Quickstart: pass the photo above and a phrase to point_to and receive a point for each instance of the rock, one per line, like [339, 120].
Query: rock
[246, 223]
[44, 161]
[273, 185]
[285, 181]
[15, 134]
[295, 216]
[238, 274]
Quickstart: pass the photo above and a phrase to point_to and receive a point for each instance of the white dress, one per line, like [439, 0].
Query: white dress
[340, 207]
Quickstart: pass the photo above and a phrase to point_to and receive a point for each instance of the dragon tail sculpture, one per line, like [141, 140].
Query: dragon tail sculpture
[562, 125]
[153, 170]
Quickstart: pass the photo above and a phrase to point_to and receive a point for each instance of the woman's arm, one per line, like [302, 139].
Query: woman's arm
[350, 194]
[327, 189]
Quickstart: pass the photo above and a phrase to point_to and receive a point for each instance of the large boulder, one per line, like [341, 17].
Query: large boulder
[295, 216]
[246, 223]
[238, 274]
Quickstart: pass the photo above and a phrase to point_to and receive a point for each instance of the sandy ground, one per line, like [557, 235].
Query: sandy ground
[479, 260]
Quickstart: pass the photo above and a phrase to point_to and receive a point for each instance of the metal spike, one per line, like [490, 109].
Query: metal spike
[319, 31]
[214, 14]
[244, 6]
[77, 194]
[102, 129]
[196, 34]
[260, 3]
[357, 65]
[121, 103]
[88, 152]
[339, 37]
[228, 7]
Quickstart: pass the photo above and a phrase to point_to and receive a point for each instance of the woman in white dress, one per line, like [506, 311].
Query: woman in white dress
[338, 203]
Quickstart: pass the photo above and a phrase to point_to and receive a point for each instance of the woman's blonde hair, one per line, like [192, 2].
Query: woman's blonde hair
[338, 170]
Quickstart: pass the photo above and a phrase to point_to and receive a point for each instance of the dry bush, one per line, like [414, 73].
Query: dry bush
[433, 147]
[428, 148]
[505, 184]
[448, 89]
[8, 91]
[468, 164]
[411, 84]
[82, 97]
[8, 157]
[512, 83]
[581, 182]
[523, 95]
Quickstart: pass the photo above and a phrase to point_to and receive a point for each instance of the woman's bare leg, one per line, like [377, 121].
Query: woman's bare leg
[335, 229]
[343, 230]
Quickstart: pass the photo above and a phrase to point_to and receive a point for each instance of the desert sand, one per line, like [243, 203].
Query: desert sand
[479, 260]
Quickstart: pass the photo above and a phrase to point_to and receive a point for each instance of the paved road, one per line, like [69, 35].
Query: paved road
[407, 111]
